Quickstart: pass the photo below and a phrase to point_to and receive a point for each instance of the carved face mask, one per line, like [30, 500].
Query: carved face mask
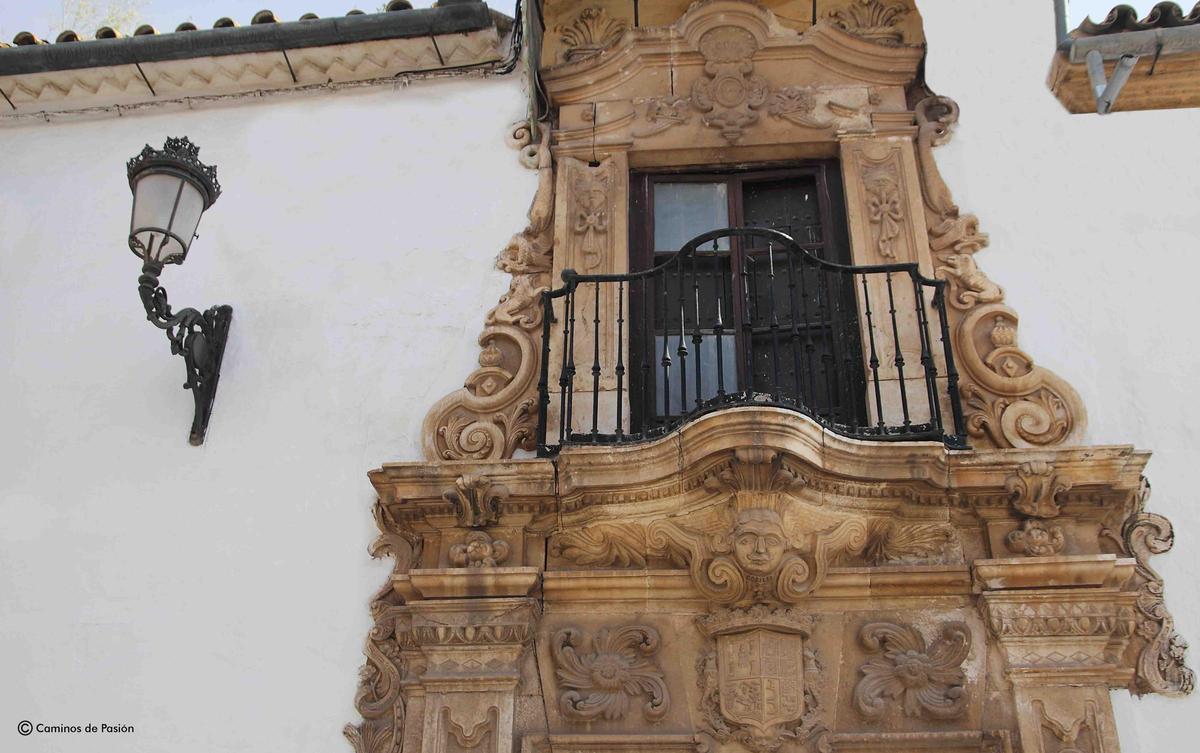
[758, 541]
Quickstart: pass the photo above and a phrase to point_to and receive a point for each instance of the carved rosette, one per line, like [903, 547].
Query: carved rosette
[1036, 539]
[1009, 401]
[599, 675]
[925, 680]
[495, 412]
[479, 550]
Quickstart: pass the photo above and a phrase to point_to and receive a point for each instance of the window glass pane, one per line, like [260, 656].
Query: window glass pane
[684, 210]
[790, 206]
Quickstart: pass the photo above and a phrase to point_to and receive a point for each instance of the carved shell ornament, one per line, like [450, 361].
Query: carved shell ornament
[870, 19]
[592, 32]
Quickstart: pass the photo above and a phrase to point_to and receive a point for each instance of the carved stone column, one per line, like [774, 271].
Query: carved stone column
[1061, 624]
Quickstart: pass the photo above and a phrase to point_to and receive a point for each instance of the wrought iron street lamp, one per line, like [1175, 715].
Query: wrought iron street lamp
[171, 190]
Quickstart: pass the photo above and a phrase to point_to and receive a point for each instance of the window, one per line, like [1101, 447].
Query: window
[742, 319]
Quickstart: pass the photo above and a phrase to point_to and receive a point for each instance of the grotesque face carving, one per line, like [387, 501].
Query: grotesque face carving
[758, 541]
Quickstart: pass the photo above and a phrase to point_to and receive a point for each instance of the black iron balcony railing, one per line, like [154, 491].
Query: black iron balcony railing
[747, 316]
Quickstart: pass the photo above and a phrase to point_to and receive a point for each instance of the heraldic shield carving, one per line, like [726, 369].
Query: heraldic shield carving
[753, 679]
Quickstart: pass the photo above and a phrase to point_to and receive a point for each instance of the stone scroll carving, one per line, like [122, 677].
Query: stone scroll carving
[1009, 400]
[758, 678]
[761, 545]
[495, 412]
[1160, 665]
[600, 675]
[925, 680]
[378, 698]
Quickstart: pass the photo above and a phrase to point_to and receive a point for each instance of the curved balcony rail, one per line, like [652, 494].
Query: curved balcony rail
[747, 316]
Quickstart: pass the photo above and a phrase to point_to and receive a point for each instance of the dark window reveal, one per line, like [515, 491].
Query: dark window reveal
[766, 324]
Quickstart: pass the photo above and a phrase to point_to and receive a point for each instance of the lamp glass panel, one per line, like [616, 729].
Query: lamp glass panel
[166, 212]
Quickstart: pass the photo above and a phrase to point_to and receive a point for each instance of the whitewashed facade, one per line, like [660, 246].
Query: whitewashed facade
[213, 596]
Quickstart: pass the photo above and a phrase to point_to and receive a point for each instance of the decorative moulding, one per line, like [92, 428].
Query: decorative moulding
[93, 90]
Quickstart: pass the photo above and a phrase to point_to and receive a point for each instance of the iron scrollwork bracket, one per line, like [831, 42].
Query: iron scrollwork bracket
[198, 337]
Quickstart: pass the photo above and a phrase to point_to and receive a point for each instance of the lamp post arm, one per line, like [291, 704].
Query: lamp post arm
[198, 337]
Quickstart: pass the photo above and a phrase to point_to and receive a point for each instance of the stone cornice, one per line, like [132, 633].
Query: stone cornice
[56, 93]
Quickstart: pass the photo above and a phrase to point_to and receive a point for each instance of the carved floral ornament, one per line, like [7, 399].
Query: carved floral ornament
[922, 679]
[599, 675]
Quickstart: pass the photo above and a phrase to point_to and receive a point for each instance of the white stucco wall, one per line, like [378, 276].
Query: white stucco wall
[1095, 230]
[215, 597]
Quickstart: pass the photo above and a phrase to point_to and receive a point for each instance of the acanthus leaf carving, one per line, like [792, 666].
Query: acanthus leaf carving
[495, 412]
[378, 698]
[1161, 664]
[1035, 488]
[870, 19]
[592, 32]
[927, 680]
[476, 500]
[1009, 400]
[600, 674]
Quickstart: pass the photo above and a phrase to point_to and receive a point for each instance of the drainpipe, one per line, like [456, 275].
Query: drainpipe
[1060, 21]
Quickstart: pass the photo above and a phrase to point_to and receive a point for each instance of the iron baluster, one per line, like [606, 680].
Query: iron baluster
[544, 376]
[774, 326]
[620, 370]
[794, 338]
[647, 396]
[874, 360]
[960, 429]
[570, 344]
[697, 336]
[562, 371]
[935, 410]
[596, 365]
[682, 351]
[666, 355]
[899, 361]
[719, 325]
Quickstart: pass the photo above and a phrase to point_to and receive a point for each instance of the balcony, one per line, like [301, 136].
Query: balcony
[747, 316]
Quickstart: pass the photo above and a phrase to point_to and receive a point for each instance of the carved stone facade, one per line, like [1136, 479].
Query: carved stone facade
[751, 582]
